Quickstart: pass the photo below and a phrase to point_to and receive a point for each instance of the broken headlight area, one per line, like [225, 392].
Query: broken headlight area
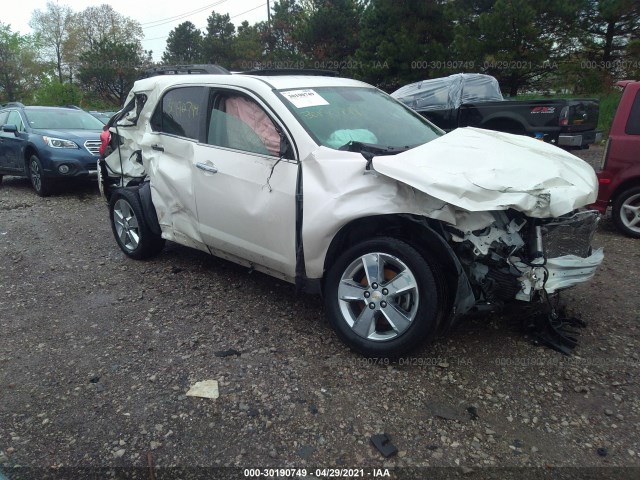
[518, 257]
[529, 259]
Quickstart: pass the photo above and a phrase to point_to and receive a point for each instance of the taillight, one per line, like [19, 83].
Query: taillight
[105, 137]
[564, 116]
[604, 180]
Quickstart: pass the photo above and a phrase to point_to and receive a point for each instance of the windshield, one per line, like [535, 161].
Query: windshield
[337, 116]
[62, 119]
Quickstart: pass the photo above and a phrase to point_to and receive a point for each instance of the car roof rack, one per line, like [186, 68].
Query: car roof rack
[13, 104]
[185, 70]
[272, 72]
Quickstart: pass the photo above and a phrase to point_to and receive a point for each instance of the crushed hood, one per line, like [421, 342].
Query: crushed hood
[481, 170]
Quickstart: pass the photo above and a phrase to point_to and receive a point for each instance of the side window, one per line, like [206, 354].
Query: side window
[238, 122]
[633, 122]
[3, 117]
[182, 112]
[16, 119]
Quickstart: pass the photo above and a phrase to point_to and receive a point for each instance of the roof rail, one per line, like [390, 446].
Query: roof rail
[291, 71]
[13, 104]
[185, 70]
[74, 107]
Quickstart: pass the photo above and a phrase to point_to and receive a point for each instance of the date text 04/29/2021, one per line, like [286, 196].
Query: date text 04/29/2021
[317, 473]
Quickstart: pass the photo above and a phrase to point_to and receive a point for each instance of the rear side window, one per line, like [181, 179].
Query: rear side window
[182, 112]
[633, 122]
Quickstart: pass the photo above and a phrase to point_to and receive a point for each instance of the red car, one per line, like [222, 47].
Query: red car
[619, 179]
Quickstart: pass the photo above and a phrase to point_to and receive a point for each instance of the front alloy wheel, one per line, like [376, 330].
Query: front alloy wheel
[382, 298]
[36, 175]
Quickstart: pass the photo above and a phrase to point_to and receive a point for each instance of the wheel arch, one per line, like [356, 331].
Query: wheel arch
[143, 192]
[423, 234]
[503, 122]
[147, 243]
[624, 186]
[28, 152]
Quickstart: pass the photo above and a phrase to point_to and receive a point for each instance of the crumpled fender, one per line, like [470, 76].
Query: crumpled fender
[482, 170]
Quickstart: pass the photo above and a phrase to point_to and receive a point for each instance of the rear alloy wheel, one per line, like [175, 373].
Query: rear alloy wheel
[129, 227]
[382, 297]
[40, 184]
[626, 212]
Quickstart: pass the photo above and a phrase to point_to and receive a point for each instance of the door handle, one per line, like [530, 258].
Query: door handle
[207, 168]
[158, 148]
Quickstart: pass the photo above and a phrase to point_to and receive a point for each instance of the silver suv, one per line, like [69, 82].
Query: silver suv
[331, 184]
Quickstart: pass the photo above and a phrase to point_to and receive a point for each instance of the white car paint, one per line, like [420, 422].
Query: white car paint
[246, 210]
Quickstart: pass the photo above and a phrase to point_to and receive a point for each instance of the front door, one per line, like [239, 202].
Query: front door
[244, 190]
[11, 144]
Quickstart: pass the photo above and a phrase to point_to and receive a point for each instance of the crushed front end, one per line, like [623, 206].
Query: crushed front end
[530, 259]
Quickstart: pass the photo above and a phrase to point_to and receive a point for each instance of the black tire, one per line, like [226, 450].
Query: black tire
[626, 212]
[129, 226]
[378, 302]
[39, 182]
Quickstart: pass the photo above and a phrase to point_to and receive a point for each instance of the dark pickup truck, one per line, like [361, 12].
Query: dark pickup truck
[474, 100]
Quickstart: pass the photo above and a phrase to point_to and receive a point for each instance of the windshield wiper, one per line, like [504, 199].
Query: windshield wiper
[370, 150]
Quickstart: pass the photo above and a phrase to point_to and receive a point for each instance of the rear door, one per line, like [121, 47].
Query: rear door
[178, 125]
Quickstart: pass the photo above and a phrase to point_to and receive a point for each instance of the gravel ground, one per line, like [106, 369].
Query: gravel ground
[98, 352]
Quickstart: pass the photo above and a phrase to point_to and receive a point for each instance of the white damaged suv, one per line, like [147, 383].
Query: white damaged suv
[331, 184]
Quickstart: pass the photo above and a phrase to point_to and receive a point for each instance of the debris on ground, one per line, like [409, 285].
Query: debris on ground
[204, 389]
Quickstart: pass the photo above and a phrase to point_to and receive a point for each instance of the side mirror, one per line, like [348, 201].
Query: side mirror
[10, 128]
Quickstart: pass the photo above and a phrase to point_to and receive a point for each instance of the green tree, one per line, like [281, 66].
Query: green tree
[609, 26]
[402, 41]
[330, 30]
[218, 42]
[52, 27]
[20, 66]
[247, 47]
[102, 22]
[184, 45]
[281, 37]
[517, 41]
[52, 92]
[632, 59]
[109, 68]
[97, 24]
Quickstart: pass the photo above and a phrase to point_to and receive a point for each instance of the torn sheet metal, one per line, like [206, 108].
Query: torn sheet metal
[482, 170]
[168, 169]
[172, 189]
[570, 270]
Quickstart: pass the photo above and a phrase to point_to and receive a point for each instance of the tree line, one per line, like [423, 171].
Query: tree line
[574, 46]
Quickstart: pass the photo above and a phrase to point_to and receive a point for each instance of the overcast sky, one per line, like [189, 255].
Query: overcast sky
[157, 17]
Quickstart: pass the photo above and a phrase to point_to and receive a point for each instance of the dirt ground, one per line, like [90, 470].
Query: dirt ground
[97, 352]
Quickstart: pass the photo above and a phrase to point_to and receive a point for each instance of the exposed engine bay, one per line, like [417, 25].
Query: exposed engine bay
[531, 260]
